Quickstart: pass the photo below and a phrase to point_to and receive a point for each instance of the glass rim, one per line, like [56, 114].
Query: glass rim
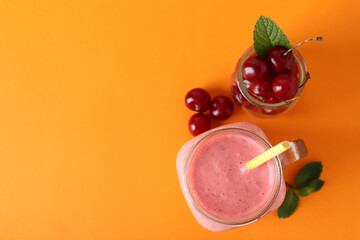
[302, 71]
[258, 213]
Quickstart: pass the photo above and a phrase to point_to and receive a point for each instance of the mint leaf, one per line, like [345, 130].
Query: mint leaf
[267, 35]
[289, 205]
[314, 186]
[308, 173]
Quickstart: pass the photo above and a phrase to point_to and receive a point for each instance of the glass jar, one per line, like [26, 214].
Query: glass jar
[273, 200]
[256, 106]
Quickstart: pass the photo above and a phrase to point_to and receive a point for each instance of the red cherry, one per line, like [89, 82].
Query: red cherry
[284, 86]
[272, 99]
[269, 111]
[261, 88]
[221, 108]
[247, 83]
[255, 68]
[199, 123]
[198, 100]
[278, 62]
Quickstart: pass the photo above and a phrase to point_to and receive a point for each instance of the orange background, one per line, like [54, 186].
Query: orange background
[92, 114]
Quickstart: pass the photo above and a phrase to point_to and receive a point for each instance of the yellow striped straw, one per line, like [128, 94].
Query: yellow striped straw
[269, 154]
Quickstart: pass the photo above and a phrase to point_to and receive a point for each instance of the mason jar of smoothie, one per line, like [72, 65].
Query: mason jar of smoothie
[221, 192]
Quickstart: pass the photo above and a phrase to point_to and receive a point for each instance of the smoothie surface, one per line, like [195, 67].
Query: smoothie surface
[220, 181]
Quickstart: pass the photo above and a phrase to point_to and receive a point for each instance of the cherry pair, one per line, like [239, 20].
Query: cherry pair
[197, 99]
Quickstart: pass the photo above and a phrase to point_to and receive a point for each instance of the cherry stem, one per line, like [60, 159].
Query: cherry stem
[317, 39]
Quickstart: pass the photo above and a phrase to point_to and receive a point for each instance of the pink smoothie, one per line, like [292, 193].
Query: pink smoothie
[220, 181]
[213, 176]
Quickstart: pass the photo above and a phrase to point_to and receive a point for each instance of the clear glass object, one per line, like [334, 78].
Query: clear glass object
[254, 105]
[276, 197]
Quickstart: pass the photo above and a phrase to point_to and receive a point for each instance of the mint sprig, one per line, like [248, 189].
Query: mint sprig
[267, 35]
[306, 181]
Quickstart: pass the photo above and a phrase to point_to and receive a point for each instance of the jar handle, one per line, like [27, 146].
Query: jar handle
[297, 150]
